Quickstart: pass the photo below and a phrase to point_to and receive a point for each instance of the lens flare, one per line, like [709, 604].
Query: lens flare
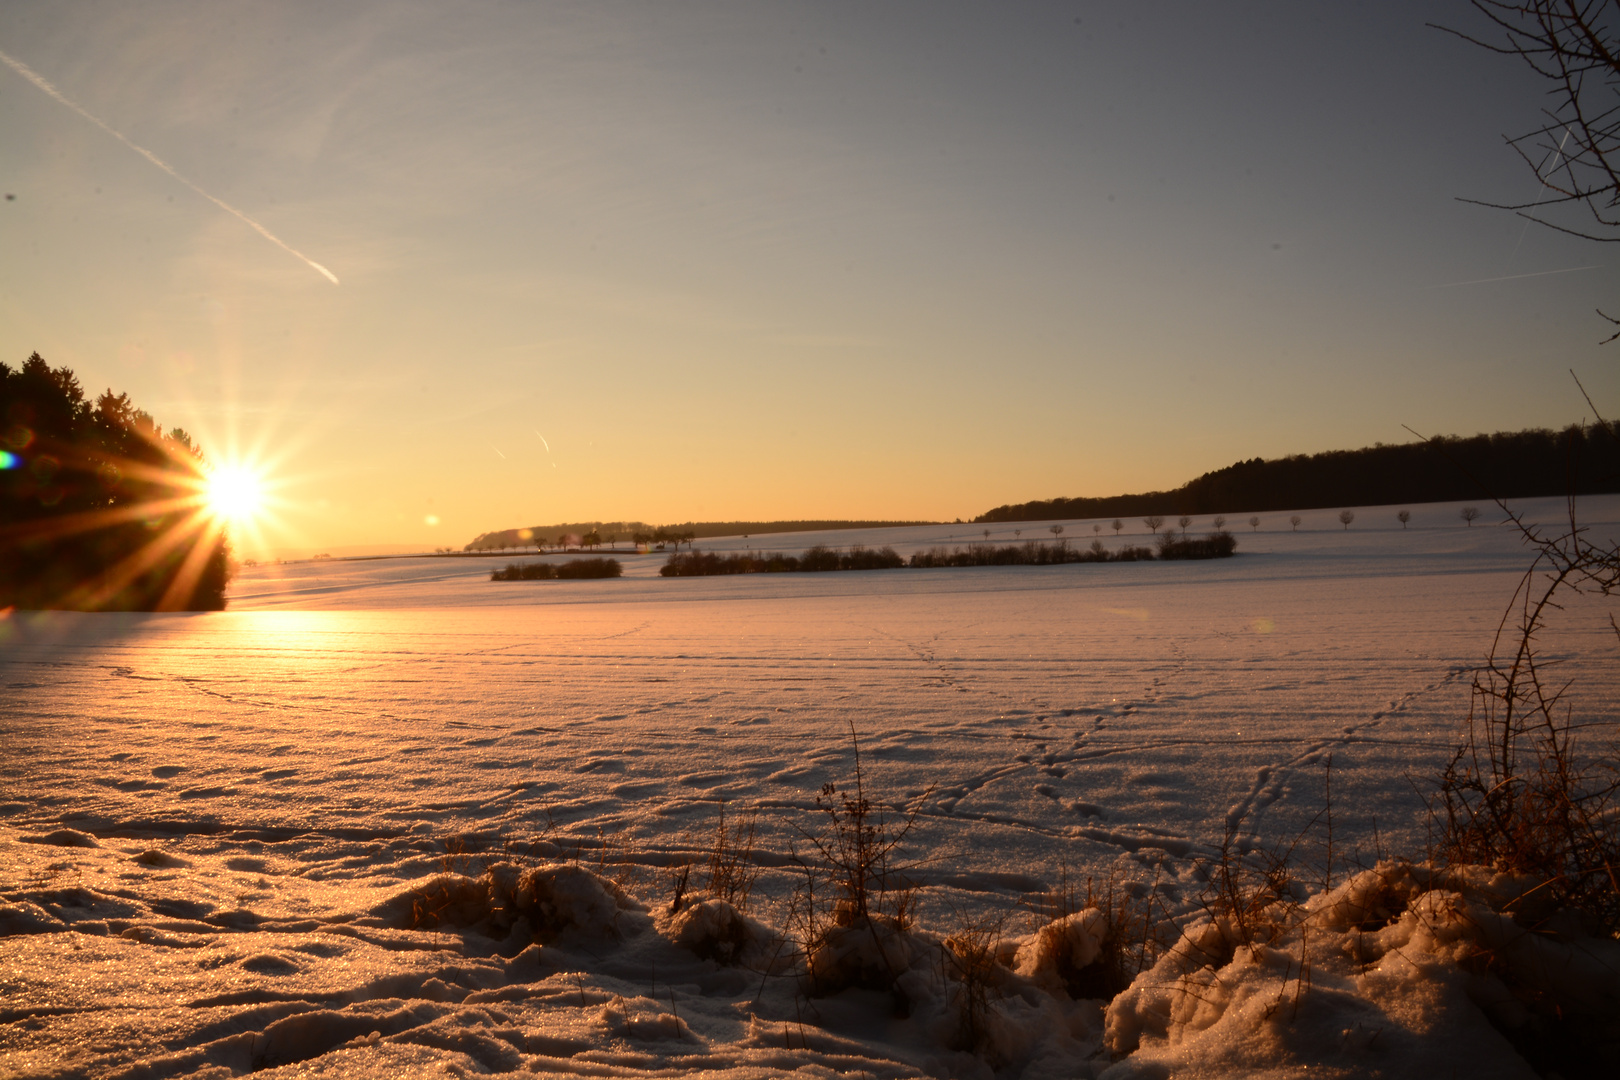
[235, 494]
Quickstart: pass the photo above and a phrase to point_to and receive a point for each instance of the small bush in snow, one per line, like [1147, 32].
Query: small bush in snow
[972, 955]
[731, 870]
[1217, 545]
[573, 569]
[856, 904]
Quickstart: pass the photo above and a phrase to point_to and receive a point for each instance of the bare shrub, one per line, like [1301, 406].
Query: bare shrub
[731, 866]
[972, 951]
[1531, 790]
[856, 902]
[857, 849]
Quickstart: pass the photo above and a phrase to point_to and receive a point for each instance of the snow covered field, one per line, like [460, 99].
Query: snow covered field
[215, 826]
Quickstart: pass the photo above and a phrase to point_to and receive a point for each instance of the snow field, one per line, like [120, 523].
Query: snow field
[261, 784]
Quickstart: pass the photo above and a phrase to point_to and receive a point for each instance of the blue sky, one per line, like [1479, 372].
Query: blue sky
[699, 261]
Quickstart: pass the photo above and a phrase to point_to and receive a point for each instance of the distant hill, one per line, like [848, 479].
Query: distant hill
[1509, 465]
[624, 530]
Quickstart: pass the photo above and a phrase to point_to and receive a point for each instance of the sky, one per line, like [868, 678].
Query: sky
[714, 261]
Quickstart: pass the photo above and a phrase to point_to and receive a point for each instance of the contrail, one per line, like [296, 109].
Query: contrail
[497, 449]
[543, 442]
[1513, 277]
[1539, 190]
[40, 81]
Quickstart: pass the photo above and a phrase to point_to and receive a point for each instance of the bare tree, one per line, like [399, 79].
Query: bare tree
[1184, 521]
[1403, 517]
[1153, 521]
[1575, 153]
[1294, 520]
[1346, 517]
[1117, 525]
[1055, 530]
[1219, 522]
[1096, 528]
[1254, 523]
[1018, 532]
[987, 534]
[1469, 513]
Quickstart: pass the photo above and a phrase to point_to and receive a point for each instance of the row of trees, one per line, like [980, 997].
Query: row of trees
[1155, 522]
[100, 509]
[685, 533]
[520, 539]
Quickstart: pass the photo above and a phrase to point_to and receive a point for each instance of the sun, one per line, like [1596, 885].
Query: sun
[235, 494]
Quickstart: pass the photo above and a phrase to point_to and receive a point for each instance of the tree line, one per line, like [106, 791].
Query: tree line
[100, 509]
[1578, 460]
[579, 534]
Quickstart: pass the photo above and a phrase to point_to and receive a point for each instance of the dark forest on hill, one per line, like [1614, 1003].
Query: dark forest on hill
[1508, 465]
[99, 508]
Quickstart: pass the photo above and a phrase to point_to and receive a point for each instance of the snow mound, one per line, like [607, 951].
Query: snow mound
[541, 904]
[61, 838]
[565, 898]
[715, 930]
[27, 918]
[1397, 971]
[1054, 956]
[156, 858]
[871, 952]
